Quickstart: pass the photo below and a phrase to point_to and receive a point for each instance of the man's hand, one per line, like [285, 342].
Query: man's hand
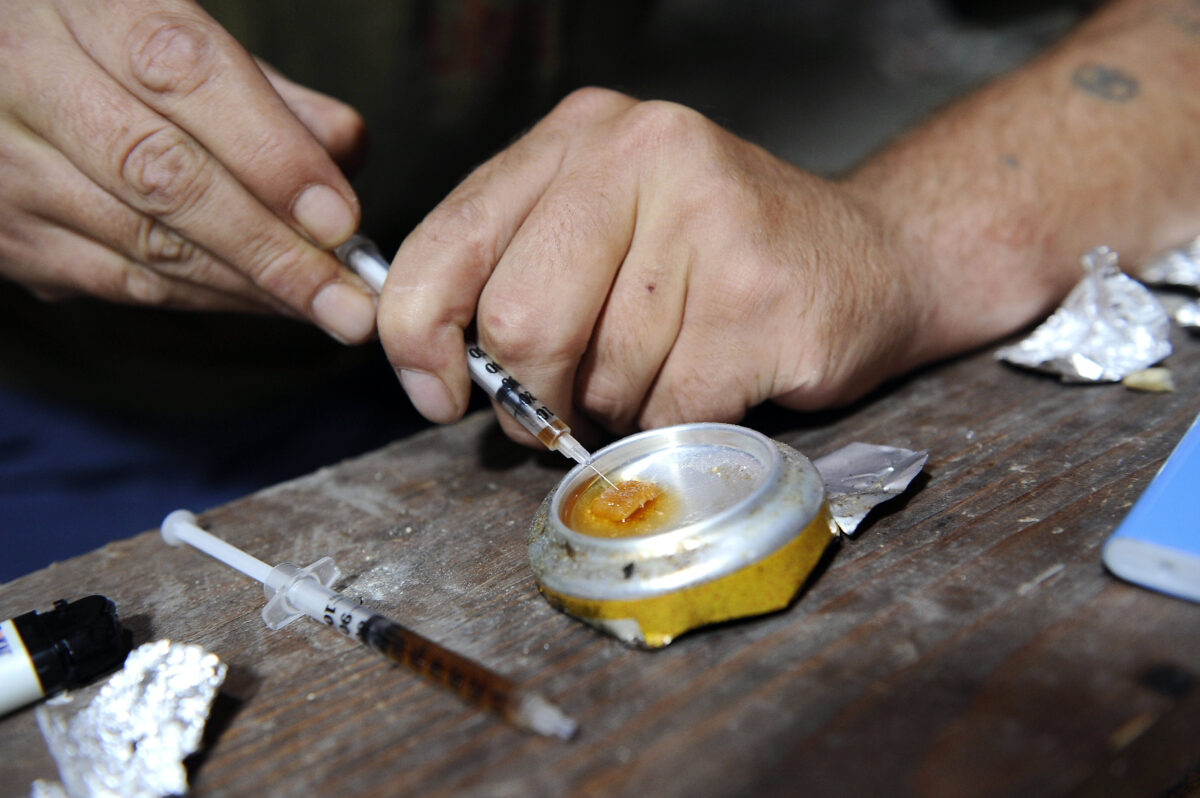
[640, 264]
[644, 266]
[145, 158]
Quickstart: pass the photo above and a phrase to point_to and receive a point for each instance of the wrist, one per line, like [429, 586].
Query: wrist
[898, 238]
[981, 246]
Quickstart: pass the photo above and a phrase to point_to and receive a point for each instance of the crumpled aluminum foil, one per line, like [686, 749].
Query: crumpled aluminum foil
[859, 476]
[131, 739]
[47, 789]
[1188, 316]
[1108, 327]
[1179, 266]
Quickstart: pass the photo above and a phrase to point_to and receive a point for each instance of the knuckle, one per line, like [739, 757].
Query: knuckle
[508, 331]
[154, 242]
[607, 403]
[659, 125]
[694, 396]
[286, 272]
[122, 280]
[171, 55]
[520, 334]
[752, 288]
[464, 221]
[167, 170]
[144, 286]
[745, 291]
[199, 272]
[589, 102]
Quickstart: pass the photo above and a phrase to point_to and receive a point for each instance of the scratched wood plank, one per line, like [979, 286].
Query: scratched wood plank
[967, 642]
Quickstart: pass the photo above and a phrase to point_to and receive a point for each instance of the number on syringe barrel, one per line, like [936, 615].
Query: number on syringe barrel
[509, 392]
[343, 618]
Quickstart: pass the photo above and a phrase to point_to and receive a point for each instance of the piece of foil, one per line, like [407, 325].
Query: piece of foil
[131, 739]
[1177, 266]
[1188, 316]
[859, 476]
[1109, 326]
[1180, 267]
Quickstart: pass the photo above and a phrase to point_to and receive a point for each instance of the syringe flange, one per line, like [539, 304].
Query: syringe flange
[278, 586]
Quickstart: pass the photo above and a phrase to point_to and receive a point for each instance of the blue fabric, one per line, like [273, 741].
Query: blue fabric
[73, 478]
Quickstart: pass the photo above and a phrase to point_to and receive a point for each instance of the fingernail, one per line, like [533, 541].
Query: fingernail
[345, 312]
[326, 216]
[429, 395]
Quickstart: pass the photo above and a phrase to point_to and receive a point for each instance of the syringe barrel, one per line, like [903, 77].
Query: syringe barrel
[360, 255]
[522, 405]
[468, 678]
[304, 593]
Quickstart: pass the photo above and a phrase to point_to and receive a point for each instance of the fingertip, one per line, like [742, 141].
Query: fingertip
[325, 215]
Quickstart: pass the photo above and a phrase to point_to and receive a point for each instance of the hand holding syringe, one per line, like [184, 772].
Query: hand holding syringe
[361, 256]
[293, 591]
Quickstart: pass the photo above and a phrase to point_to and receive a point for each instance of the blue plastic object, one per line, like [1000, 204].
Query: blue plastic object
[1158, 544]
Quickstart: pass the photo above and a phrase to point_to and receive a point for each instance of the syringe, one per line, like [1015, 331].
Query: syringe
[293, 591]
[360, 255]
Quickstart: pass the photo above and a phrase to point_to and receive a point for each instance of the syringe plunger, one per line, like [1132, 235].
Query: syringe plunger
[293, 591]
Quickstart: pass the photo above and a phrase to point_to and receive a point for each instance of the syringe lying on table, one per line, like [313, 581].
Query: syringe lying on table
[361, 256]
[293, 591]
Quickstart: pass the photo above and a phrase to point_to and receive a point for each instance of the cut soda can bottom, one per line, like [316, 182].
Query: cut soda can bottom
[731, 525]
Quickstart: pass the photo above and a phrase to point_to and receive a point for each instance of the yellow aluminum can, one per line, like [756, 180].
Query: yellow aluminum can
[738, 525]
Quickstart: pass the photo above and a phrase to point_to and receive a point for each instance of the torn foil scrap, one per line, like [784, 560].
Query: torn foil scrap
[1188, 317]
[859, 476]
[1177, 266]
[47, 789]
[1109, 326]
[133, 736]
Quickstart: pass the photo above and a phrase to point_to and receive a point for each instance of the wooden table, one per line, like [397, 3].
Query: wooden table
[968, 642]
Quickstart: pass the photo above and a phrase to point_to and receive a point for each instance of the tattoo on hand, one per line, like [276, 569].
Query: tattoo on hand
[1107, 83]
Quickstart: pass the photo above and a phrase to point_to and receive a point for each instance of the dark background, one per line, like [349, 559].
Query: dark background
[110, 416]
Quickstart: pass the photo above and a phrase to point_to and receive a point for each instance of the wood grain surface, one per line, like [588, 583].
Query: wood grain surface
[967, 642]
